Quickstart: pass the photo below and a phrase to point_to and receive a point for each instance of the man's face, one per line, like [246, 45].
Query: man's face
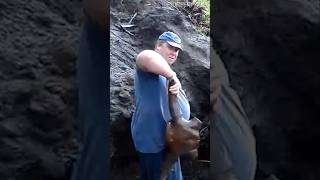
[169, 53]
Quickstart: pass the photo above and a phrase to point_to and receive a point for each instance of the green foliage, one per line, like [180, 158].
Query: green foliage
[204, 26]
[205, 4]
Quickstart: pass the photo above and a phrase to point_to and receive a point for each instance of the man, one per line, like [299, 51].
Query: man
[232, 144]
[92, 71]
[151, 99]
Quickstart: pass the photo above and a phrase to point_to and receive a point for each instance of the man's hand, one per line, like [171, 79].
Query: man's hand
[174, 89]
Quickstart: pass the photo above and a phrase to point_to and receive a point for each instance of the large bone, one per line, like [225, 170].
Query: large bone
[182, 136]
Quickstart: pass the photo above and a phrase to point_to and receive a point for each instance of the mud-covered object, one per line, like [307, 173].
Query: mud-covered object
[232, 144]
[182, 135]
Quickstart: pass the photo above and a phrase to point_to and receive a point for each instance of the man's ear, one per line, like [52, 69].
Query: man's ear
[157, 46]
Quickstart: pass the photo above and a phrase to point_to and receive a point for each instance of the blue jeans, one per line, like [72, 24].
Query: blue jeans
[150, 164]
[93, 81]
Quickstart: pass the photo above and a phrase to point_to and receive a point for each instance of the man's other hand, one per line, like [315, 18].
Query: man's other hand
[174, 89]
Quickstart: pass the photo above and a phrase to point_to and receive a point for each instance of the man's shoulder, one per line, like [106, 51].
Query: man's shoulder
[146, 52]
[144, 57]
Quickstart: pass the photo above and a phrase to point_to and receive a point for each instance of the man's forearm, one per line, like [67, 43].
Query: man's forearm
[97, 10]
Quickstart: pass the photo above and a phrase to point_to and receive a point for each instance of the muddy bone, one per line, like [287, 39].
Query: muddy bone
[182, 136]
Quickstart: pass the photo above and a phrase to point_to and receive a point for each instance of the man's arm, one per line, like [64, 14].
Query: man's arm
[97, 11]
[151, 61]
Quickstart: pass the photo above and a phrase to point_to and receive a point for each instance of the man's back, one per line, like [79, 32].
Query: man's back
[149, 119]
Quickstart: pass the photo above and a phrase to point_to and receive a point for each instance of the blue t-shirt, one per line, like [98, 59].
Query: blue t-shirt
[149, 120]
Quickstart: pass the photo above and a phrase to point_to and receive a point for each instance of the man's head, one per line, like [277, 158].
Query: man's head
[168, 45]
